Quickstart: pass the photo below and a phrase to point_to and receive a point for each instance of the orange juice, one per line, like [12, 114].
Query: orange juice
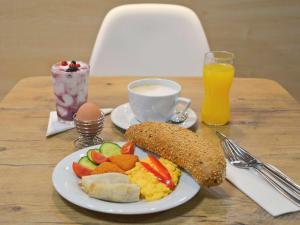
[217, 80]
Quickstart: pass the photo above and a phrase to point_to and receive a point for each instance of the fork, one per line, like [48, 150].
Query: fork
[246, 156]
[238, 158]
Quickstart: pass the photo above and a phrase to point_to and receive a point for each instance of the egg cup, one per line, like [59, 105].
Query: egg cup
[88, 131]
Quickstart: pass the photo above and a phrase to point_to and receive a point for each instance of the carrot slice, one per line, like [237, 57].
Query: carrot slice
[125, 162]
[107, 167]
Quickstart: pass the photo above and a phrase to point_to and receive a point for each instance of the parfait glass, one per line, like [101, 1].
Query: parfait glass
[70, 86]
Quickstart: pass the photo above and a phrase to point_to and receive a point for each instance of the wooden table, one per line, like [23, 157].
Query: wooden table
[265, 120]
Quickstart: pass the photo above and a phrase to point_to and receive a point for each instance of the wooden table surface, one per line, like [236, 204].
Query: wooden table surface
[265, 120]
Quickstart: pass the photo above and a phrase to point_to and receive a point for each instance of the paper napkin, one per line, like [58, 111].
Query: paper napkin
[259, 190]
[54, 126]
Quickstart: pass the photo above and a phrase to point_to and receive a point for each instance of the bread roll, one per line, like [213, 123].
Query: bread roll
[204, 160]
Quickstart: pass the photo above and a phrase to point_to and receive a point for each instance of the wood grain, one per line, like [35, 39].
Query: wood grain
[265, 120]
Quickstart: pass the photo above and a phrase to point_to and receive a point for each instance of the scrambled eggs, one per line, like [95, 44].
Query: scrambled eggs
[151, 188]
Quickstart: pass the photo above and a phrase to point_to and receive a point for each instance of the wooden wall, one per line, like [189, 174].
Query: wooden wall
[263, 34]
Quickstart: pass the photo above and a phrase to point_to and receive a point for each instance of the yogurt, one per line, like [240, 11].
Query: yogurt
[70, 83]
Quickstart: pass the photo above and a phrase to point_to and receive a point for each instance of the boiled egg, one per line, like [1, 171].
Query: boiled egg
[88, 112]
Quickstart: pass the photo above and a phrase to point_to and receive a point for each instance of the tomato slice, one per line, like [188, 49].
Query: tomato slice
[128, 148]
[80, 170]
[97, 157]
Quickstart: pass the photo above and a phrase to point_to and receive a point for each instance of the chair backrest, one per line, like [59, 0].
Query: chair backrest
[149, 40]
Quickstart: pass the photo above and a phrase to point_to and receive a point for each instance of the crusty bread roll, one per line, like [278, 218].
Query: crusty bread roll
[204, 160]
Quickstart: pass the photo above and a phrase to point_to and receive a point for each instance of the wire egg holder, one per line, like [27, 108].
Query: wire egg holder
[89, 131]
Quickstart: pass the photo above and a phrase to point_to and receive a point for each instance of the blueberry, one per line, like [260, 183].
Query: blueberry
[72, 69]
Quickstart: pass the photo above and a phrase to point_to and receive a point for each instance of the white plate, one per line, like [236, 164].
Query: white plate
[66, 184]
[123, 117]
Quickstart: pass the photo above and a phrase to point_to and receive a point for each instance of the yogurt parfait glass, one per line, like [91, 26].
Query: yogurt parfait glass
[70, 86]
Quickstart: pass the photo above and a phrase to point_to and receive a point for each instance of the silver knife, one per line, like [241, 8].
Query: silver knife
[272, 169]
[275, 177]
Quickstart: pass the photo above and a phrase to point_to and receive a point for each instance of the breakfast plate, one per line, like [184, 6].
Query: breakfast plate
[66, 183]
[123, 117]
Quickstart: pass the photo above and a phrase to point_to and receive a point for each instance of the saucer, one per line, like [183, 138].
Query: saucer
[123, 117]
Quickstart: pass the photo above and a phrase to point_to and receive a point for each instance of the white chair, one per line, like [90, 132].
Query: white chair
[149, 40]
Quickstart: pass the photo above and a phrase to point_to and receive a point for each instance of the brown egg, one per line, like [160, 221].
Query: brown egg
[88, 111]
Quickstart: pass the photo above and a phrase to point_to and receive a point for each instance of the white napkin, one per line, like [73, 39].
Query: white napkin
[255, 187]
[54, 126]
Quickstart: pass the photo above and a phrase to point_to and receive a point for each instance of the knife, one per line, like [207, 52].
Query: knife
[272, 169]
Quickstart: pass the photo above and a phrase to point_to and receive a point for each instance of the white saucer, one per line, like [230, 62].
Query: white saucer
[123, 117]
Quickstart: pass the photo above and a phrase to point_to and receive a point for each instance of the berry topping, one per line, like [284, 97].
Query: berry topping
[72, 66]
[64, 63]
[72, 69]
[77, 65]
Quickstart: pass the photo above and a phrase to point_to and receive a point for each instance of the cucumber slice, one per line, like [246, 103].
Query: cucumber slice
[110, 149]
[89, 154]
[84, 161]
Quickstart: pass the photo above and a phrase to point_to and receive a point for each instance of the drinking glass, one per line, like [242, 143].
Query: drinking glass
[218, 73]
[70, 89]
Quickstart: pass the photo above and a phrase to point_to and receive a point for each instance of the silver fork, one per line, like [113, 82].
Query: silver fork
[238, 158]
[251, 160]
[248, 157]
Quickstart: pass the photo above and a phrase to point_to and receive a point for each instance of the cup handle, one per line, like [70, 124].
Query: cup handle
[186, 101]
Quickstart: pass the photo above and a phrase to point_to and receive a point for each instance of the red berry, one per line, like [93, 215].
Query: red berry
[72, 65]
[77, 65]
[64, 63]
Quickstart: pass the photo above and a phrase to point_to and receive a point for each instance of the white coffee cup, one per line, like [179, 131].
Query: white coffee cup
[155, 99]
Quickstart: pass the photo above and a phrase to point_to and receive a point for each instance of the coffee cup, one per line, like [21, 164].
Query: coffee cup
[155, 99]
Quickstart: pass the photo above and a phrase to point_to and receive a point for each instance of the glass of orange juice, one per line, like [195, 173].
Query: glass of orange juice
[218, 73]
